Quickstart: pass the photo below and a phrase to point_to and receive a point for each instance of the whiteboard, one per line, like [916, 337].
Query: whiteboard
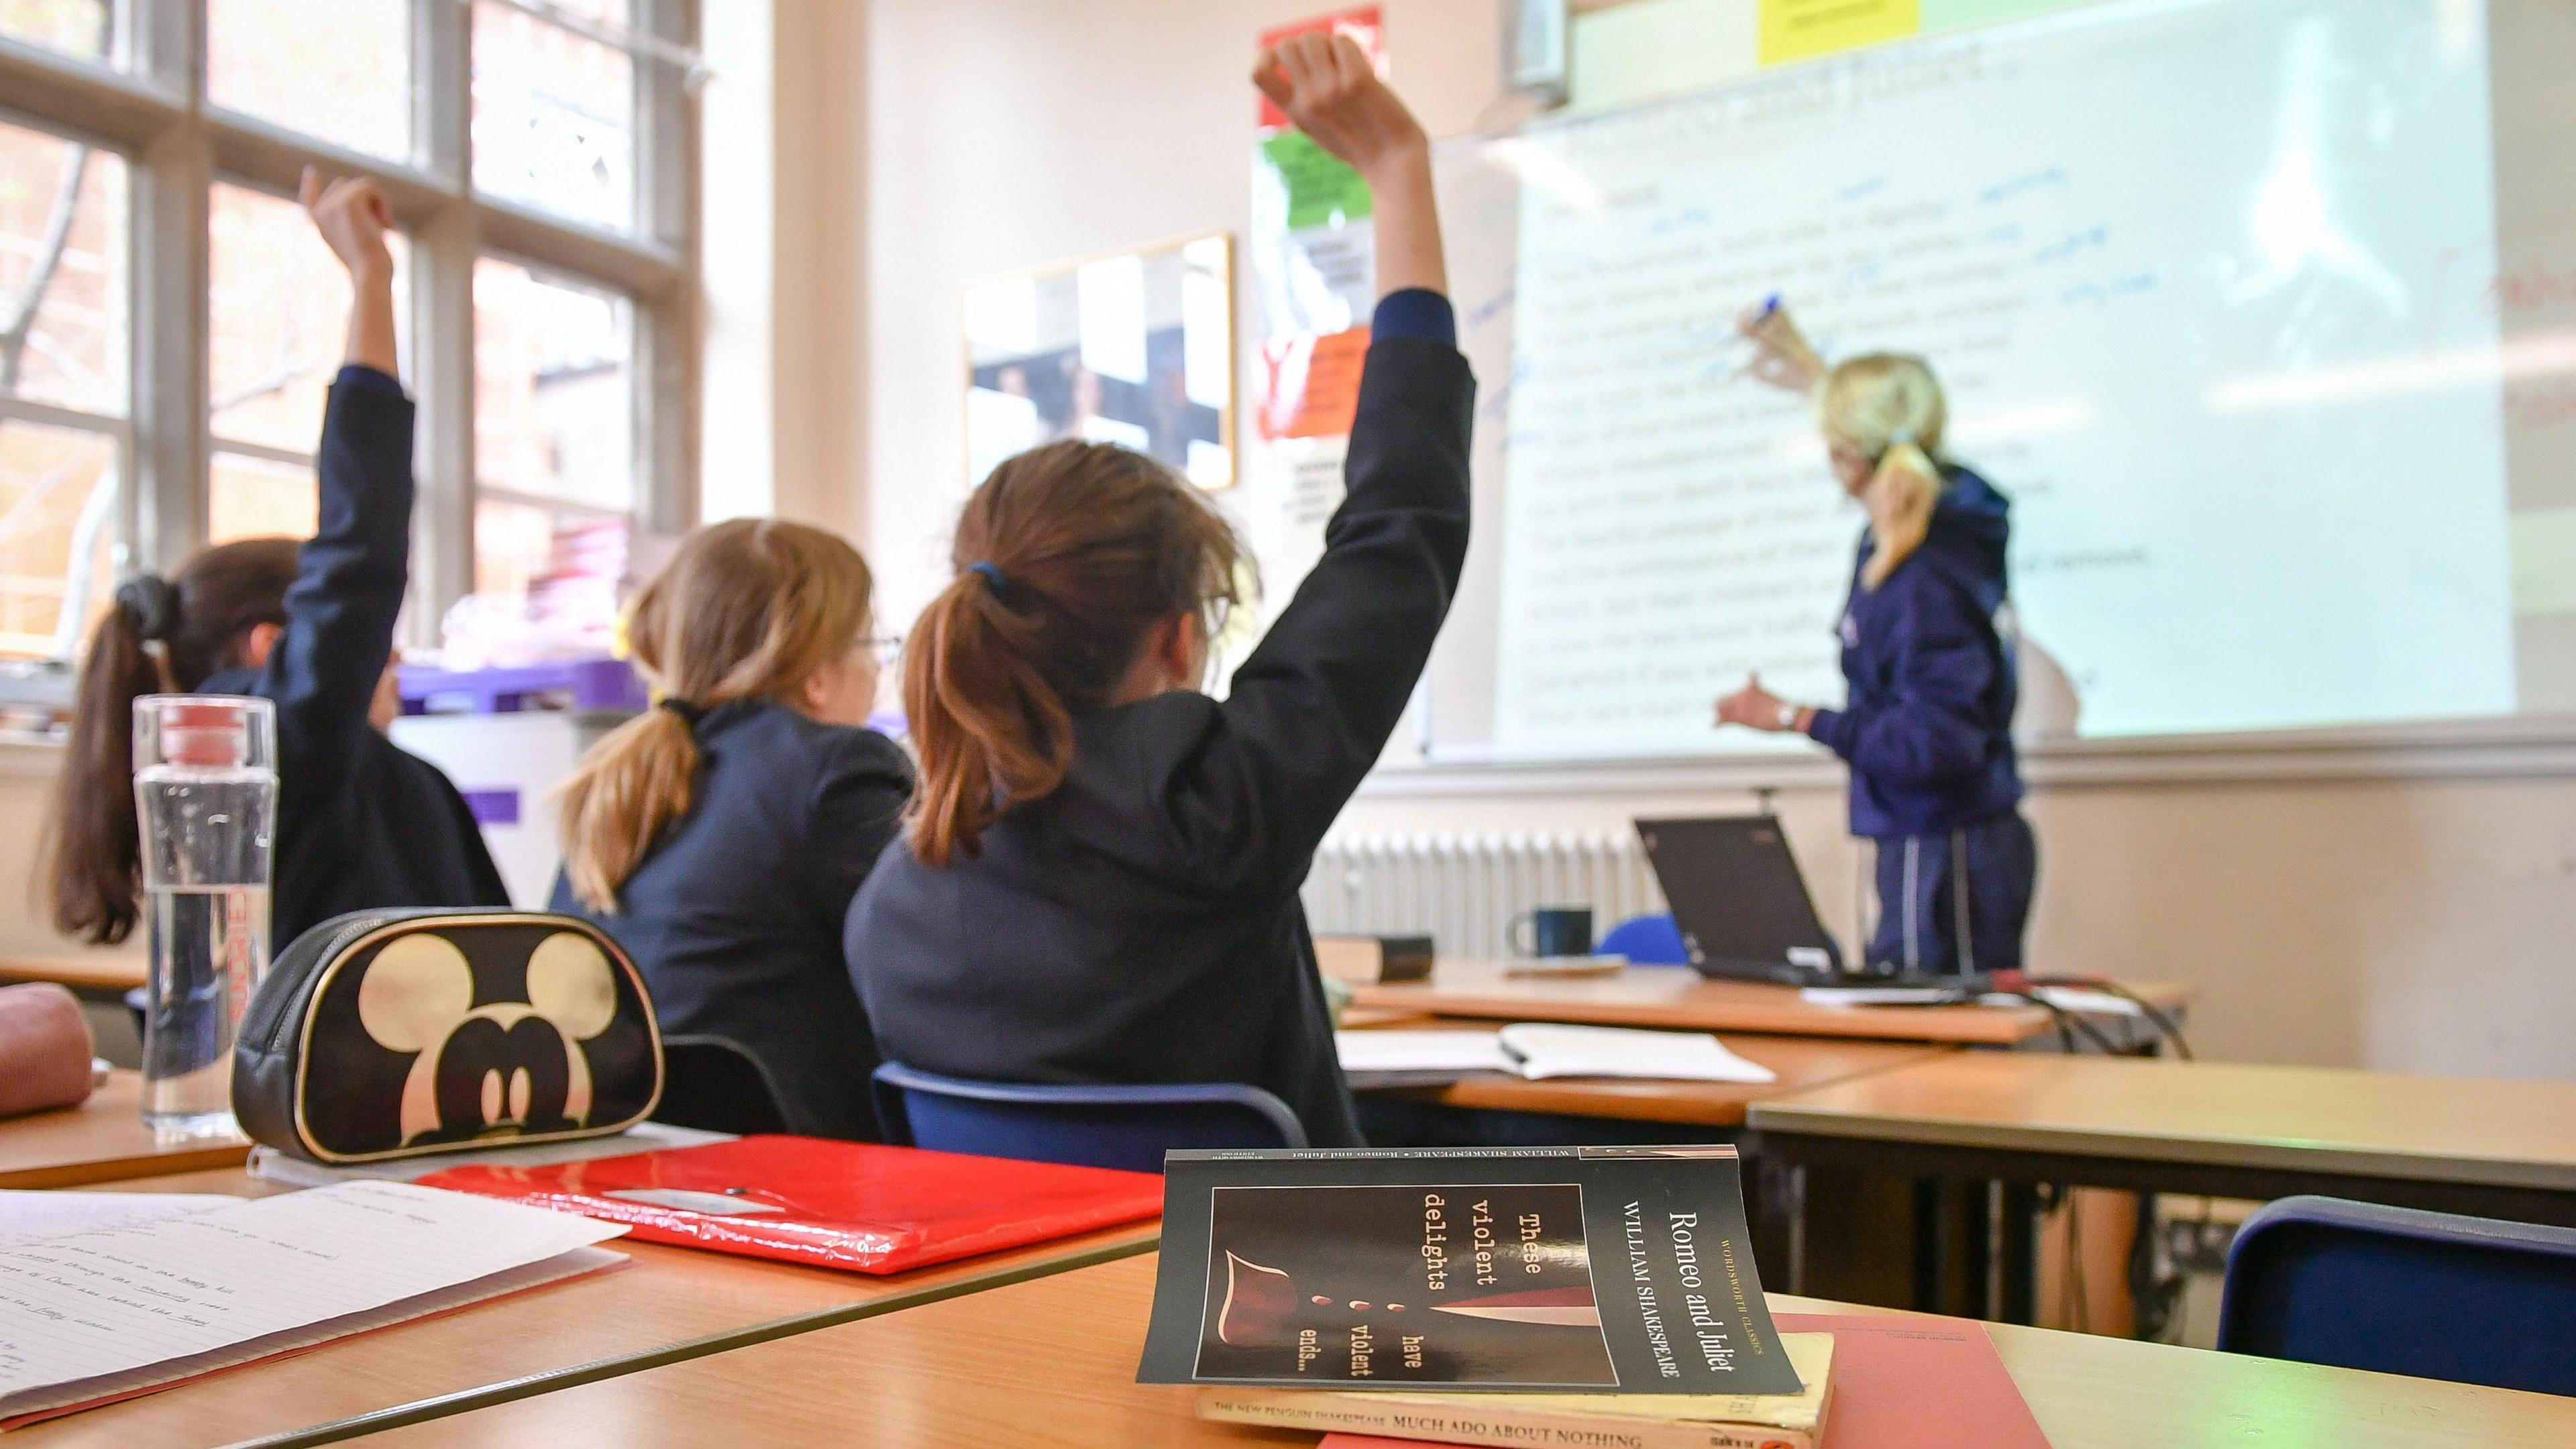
[2263, 312]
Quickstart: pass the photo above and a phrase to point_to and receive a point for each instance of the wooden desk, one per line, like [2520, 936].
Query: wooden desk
[2222, 1128]
[2486, 1148]
[667, 1305]
[102, 1140]
[1680, 998]
[1803, 1064]
[92, 973]
[1051, 1363]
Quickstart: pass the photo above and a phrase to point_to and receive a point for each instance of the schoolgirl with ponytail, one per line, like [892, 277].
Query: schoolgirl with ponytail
[1927, 661]
[720, 835]
[1098, 882]
[360, 823]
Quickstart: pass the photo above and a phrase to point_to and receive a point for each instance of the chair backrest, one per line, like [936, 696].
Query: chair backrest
[1125, 1127]
[1647, 941]
[715, 1084]
[2401, 1291]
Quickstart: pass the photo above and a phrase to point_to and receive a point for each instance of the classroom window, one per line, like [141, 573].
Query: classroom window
[554, 439]
[83, 29]
[136, 424]
[554, 111]
[64, 430]
[339, 71]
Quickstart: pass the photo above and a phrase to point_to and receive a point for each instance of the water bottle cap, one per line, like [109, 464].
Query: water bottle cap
[207, 736]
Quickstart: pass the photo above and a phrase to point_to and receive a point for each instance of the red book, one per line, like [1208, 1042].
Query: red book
[849, 1205]
[1901, 1381]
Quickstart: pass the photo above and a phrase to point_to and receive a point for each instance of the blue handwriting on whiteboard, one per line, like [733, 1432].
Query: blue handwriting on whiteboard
[2109, 290]
[2007, 190]
[2068, 246]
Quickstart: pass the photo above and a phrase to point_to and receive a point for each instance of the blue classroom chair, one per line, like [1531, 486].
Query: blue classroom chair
[2402, 1291]
[1647, 941]
[1126, 1127]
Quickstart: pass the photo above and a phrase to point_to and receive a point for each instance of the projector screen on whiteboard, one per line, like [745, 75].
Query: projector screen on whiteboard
[2262, 312]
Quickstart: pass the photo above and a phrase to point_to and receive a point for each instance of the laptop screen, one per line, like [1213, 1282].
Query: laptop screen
[1739, 900]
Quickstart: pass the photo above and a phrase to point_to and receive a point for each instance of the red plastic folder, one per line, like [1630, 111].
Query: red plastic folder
[848, 1205]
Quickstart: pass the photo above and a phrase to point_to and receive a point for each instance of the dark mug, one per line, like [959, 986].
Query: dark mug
[1553, 931]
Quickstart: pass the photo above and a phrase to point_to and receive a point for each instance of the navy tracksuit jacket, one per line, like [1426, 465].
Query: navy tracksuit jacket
[1927, 730]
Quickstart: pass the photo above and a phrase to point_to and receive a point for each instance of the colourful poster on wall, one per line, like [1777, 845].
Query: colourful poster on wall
[1314, 257]
[1798, 29]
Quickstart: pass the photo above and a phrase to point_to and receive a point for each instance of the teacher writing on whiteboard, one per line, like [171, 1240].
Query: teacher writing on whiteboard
[1926, 727]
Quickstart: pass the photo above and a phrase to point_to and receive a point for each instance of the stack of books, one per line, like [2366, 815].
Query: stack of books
[1510, 1297]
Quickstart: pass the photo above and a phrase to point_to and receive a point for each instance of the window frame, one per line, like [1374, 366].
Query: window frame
[149, 105]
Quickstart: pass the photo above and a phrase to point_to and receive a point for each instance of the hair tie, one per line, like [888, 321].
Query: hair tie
[152, 603]
[994, 579]
[689, 713]
[1901, 438]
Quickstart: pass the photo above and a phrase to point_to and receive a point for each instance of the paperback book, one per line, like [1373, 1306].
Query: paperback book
[1598, 1270]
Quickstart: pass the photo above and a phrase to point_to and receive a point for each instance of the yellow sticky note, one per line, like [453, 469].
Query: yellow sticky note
[1797, 29]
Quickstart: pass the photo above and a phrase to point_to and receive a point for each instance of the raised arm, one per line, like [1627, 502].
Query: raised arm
[1310, 711]
[322, 672]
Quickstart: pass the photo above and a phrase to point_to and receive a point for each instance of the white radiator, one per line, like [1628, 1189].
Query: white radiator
[1464, 890]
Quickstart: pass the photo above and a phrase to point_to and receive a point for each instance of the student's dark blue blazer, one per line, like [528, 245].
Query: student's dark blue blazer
[361, 823]
[1142, 923]
[735, 914]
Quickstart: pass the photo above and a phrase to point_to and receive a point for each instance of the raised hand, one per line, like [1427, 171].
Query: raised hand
[1327, 86]
[353, 216]
[1781, 354]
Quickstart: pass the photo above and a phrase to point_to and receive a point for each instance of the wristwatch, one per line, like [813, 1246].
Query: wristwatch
[1788, 715]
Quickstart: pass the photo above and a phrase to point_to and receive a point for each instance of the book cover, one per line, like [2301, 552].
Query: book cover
[1601, 1269]
[1629, 1421]
[856, 1206]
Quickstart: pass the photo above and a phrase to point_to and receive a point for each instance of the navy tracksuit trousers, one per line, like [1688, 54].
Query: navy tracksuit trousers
[1956, 902]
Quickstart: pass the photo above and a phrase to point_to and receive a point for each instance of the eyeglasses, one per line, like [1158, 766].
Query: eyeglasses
[886, 647]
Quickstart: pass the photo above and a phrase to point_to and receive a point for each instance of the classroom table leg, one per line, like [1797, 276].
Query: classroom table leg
[1930, 1242]
[2017, 1278]
[1977, 1247]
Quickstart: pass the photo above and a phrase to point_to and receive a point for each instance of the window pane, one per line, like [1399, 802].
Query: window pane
[279, 314]
[62, 248]
[554, 400]
[260, 498]
[85, 28]
[554, 117]
[545, 582]
[340, 71]
[57, 533]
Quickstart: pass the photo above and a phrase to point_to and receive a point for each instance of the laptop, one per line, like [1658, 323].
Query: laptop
[1739, 900]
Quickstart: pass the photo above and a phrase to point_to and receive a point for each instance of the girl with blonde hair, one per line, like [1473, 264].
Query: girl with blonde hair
[720, 835]
[1927, 725]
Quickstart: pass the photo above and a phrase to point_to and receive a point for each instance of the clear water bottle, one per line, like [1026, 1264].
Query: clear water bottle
[205, 793]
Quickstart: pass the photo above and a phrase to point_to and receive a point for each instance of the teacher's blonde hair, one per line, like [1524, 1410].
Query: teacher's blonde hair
[1889, 406]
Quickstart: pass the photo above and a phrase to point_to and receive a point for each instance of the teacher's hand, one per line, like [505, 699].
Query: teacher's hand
[1781, 354]
[1757, 708]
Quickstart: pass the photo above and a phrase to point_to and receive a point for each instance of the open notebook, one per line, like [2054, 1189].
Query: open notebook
[92, 1316]
[1539, 1050]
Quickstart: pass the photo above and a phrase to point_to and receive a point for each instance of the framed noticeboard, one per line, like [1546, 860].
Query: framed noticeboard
[1135, 348]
